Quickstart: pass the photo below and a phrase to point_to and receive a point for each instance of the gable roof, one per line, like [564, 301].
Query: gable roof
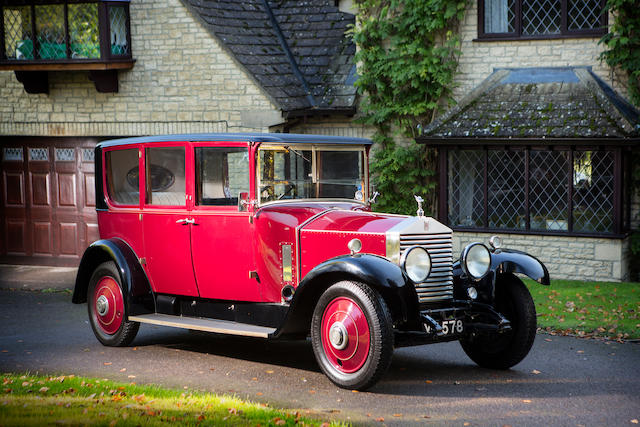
[563, 103]
[297, 51]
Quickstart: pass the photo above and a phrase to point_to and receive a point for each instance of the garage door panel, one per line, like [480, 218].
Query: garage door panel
[14, 189]
[66, 189]
[42, 238]
[40, 189]
[16, 237]
[69, 238]
[89, 190]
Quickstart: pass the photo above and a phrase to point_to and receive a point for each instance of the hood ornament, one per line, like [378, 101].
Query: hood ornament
[420, 200]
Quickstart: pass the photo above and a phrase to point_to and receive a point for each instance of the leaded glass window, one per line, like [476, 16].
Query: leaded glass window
[65, 30]
[546, 191]
[540, 18]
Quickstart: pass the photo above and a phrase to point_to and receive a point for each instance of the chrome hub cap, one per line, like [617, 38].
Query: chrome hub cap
[338, 336]
[102, 305]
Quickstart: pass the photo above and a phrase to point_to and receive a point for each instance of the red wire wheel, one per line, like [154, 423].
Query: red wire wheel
[351, 334]
[108, 305]
[345, 335]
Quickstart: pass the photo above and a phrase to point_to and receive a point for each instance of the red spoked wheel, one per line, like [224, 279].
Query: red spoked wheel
[352, 335]
[107, 307]
[345, 335]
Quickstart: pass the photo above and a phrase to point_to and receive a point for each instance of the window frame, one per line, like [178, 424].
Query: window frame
[103, 33]
[621, 193]
[564, 30]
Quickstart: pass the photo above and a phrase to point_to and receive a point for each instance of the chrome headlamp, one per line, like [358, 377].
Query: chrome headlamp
[416, 262]
[475, 260]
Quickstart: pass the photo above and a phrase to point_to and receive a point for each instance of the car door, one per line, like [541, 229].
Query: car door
[222, 236]
[166, 221]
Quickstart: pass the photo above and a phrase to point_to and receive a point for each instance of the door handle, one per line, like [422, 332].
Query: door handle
[185, 221]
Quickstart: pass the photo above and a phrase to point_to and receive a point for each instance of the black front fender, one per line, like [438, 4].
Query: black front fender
[136, 288]
[372, 270]
[513, 261]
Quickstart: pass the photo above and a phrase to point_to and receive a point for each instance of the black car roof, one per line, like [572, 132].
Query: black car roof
[290, 138]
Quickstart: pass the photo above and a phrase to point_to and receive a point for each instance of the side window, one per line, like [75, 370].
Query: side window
[122, 176]
[165, 185]
[221, 174]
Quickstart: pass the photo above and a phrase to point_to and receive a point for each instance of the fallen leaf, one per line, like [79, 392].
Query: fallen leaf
[131, 376]
[548, 339]
[279, 421]
[312, 391]
[380, 419]
[107, 363]
[428, 381]
[43, 389]
[123, 369]
[269, 371]
[355, 391]
[397, 415]
[259, 394]
[526, 401]
[466, 423]
[254, 379]
[536, 372]
[634, 421]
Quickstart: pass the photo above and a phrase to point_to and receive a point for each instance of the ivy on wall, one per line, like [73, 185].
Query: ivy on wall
[407, 60]
[623, 43]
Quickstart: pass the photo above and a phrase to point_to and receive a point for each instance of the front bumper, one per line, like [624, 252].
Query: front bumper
[474, 318]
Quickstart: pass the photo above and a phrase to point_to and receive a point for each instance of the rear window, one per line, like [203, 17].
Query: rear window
[123, 176]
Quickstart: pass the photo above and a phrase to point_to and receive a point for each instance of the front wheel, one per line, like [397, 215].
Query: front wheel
[504, 350]
[106, 307]
[352, 335]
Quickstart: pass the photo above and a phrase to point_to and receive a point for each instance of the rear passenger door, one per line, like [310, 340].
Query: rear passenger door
[222, 236]
[166, 221]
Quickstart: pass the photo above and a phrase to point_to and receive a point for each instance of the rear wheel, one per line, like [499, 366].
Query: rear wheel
[106, 307]
[504, 350]
[352, 335]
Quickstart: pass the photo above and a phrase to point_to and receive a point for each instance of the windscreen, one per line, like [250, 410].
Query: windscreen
[304, 172]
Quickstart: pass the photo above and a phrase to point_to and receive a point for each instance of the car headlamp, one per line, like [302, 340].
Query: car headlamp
[476, 260]
[416, 262]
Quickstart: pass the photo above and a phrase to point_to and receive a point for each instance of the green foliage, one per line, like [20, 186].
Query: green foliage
[623, 43]
[407, 58]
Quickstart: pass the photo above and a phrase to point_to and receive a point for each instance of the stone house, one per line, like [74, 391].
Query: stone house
[73, 73]
[537, 149]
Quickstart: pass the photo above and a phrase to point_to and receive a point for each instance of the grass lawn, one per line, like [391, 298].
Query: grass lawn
[28, 400]
[588, 309]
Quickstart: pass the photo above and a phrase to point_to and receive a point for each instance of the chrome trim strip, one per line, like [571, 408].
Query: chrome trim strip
[207, 325]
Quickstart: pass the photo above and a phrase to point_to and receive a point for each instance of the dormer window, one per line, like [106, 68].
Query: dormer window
[40, 36]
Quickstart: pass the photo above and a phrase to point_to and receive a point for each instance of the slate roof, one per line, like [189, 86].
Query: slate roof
[297, 51]
[539, 103]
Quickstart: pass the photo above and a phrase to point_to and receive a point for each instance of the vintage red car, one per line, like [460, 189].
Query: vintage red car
[273, 236]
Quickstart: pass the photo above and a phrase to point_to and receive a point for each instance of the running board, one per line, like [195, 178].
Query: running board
[207, 325]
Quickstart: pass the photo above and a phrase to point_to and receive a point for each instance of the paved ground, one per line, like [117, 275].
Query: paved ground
[563, 382]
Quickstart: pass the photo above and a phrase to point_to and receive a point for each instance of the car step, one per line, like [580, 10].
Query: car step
[207, 325]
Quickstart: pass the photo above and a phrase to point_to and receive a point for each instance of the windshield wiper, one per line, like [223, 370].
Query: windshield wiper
[297, 153]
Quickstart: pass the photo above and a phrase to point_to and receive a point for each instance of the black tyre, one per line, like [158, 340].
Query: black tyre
[106, 305]
[352, 335]
[502, 351]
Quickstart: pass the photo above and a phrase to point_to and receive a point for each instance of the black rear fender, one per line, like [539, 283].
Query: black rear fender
[137, 291]
[374, 271]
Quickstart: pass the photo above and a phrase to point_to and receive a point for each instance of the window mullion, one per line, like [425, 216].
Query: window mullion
[564, 16]
[66, 30]
[3, 54]
[527, 225]
[36, 44]
[518, 20]
[485, 218]
[617, 191]
[570, 192]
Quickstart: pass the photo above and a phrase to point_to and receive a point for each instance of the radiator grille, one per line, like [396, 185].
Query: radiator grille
[439, 284]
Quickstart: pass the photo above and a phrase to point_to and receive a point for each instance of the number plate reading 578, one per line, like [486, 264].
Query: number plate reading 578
[449, 327]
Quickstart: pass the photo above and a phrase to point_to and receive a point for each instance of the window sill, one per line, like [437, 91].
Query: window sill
[68, 65]
[539, 233]
[540, 37]
[34, 75]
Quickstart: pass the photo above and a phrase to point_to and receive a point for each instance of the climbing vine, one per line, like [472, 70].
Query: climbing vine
[407, 60]
[623, 43]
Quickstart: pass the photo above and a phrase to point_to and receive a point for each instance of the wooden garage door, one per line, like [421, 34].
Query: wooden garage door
[48, 200]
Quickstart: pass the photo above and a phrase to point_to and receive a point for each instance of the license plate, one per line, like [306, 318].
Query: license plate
[449, 327]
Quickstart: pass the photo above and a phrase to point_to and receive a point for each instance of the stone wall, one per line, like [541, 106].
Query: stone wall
[334, 127]
[480, 58]
[183, 81]
[574, 258]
